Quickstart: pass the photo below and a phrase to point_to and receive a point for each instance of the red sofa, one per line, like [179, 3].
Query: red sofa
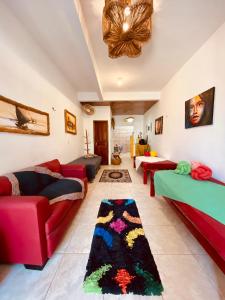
[31, 228]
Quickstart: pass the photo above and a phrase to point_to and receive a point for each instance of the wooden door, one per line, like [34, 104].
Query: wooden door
[101, 140]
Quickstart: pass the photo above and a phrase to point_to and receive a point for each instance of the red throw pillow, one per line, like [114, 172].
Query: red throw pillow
[147, 153]
[202, 172]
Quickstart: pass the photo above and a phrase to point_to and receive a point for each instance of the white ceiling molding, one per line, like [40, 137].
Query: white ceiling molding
[116, 96]
[136, 96]
[87, 97]
[87, 39]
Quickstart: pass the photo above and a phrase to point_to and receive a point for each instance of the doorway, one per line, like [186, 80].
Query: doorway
[101, 142]
[121, 137]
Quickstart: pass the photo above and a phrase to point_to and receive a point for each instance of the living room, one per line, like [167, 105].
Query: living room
[68, 96]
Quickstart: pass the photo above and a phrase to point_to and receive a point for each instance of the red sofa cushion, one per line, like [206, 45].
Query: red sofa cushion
[52, 165]
[54, 238]
[5, 186]
[58, 212]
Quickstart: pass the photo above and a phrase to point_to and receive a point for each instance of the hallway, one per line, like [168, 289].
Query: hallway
[186, 271]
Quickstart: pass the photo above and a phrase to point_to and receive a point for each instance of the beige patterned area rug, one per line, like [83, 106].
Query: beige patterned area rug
[115, 176]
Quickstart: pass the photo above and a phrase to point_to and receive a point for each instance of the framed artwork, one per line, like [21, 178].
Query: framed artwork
[159, 125]
[18, 118]
[149, 127]
[199, 109]
[70, 122]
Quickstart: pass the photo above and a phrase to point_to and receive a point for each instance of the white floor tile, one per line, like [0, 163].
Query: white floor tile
[192, 243]
[20, 284]
[212, 271]
[183, 279]
[68, 281]
[81, 239]
[165, 240]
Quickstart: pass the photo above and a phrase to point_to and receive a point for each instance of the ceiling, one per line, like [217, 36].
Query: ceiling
[180, 27]
[72, 40]
[55, 27]
[125, 107]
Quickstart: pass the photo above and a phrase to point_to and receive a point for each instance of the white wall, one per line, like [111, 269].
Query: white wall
[102, 113]
[207, 143]
[29, 77]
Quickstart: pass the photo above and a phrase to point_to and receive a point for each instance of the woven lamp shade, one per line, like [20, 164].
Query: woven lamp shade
[138, 29]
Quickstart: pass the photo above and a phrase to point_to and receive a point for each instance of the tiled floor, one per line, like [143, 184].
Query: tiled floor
[186, 270]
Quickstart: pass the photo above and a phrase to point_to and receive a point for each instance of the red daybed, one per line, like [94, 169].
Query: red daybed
[209, 232]
[31, 228]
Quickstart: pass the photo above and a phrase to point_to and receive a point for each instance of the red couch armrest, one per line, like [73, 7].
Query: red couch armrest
[5, 186]
[22, 229]
[77, 171]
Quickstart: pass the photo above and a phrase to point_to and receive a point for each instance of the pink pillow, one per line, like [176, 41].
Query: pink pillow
[147, 153]
[195, 164]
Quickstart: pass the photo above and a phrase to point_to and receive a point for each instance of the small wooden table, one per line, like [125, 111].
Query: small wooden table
[161, 165]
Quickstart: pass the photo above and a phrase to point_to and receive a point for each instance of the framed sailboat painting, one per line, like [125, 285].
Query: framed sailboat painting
[18, 118]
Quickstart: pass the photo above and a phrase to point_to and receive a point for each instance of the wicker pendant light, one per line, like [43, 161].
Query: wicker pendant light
[126, 26]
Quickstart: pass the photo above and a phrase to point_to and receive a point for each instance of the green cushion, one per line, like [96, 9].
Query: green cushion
[183, 168]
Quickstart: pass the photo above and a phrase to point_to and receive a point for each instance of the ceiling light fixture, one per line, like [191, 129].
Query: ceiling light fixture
[127, 11]
[129, 119]
[126, 25]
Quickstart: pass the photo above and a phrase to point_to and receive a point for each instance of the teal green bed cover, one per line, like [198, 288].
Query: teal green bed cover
[206, 196]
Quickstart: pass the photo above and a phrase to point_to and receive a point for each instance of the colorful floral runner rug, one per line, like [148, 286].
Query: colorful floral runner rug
[120, 260]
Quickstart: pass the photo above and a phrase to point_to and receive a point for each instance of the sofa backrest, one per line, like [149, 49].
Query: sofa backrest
[5, 184]
[52, 165]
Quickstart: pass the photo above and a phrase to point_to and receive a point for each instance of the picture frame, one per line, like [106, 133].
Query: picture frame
[18, 118]
[199, 109]
[159, 125]
[70, 122]
[150, 127]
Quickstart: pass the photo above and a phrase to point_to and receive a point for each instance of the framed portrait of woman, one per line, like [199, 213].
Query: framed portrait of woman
[159, 125]
[199, 109]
